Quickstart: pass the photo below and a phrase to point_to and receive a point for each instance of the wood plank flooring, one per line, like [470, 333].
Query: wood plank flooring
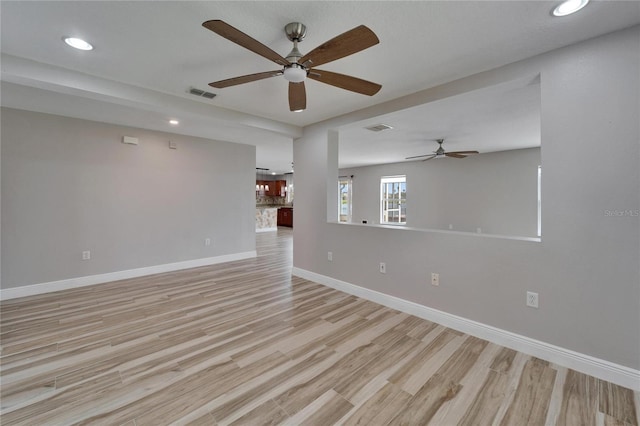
[245, 343]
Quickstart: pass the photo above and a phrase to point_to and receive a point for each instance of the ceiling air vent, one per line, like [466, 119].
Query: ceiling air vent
[202, 93]
[379, 127]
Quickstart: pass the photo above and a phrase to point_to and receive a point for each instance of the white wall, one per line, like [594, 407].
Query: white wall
[497, 192]
[586, 267]
[70, 185]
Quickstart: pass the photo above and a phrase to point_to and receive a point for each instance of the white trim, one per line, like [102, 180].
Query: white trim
[34, 289]
[602, 369]
[439, 231]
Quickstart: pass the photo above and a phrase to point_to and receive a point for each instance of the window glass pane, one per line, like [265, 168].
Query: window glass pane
[393, 195]
[344, 199]
[539, 201]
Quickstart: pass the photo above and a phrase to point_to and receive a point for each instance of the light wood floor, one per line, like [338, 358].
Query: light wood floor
[245, 343]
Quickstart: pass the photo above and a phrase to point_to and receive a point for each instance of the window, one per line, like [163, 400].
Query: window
[345, 185]
[539, 201]
[393, 200]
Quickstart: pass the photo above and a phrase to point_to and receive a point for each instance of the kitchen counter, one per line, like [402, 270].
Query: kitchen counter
[266, 219]
[273, 206]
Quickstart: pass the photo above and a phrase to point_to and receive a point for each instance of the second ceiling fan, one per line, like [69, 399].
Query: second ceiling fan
[440, 153]
[296, 67]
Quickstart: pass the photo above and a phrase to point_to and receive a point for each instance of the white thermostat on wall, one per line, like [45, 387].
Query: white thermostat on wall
[130, 140]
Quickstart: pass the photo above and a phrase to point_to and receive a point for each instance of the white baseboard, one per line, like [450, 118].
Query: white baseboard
[605, 370]
[34, 289]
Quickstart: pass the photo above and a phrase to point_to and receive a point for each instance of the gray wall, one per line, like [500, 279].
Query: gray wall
[70, 185]
[497, 192]
[586, 267]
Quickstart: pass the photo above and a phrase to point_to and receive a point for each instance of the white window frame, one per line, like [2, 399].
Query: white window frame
[348, 181]
[539, 201]
[384, 201]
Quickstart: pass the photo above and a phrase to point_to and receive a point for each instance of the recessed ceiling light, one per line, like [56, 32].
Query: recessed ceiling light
[174, 122]
[273, 173]
[78, 43]
[569, 6]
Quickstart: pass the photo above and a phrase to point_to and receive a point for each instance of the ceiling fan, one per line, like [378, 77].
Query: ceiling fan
[296, 67]
[441, 153]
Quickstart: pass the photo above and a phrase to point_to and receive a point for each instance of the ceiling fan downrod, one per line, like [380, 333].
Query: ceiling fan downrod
[296, 72]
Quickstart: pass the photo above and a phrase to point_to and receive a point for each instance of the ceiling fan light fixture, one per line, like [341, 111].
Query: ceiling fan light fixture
[568, 7]
[295, 73]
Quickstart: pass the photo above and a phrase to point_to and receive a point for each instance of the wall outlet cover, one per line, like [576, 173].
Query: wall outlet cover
[435, 279]
[130, 140]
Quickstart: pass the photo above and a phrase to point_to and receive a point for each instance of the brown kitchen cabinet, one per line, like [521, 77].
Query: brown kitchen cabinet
[275, 187]
[285, 217]
[279, 186]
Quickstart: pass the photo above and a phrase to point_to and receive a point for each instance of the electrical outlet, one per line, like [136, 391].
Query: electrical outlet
[207, 241]
[330, 256]
[532, 299]
[383, 268]
[86, 255]
[435, 279]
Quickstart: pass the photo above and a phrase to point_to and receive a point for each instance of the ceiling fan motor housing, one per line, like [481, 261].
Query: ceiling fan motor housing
[295, 31]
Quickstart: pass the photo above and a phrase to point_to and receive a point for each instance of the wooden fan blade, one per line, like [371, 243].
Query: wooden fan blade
[345, 82]
[420, 156]
[297, 97]
[238, 37]
[244, 79]
[455, 155]
[345, 44]
[464, 152]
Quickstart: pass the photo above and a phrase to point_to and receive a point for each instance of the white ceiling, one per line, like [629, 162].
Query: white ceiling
[148, 54]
